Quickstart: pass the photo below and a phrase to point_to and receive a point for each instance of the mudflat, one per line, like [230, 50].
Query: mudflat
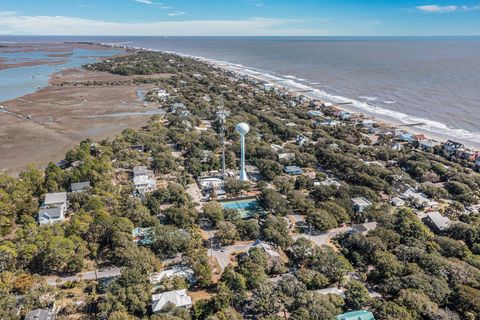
[40, 127]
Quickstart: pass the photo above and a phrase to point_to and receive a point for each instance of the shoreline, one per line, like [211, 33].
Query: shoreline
[432, 129]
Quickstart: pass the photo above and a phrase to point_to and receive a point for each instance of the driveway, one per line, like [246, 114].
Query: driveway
[89, 275]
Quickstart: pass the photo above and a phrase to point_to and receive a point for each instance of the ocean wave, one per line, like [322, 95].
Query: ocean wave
[390, 102]
[432, 126]
[368, 98]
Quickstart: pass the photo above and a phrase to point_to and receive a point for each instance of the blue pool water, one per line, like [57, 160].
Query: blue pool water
[247, 207]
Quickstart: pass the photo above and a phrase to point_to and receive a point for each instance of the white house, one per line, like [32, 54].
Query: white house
[436, 221]
[397, 202]
[182, 271]
[50, 215]
[144, 184]
[179, 298]
[360, 204]
[56, 200]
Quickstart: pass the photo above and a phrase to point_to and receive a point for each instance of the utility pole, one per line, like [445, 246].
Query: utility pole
[222, 115]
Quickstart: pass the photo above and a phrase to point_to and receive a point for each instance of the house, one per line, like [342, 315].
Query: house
[331, 182]
[142, 236]
[397, 202]
[293, 170]
[360, 204]
[140, 171]
[422, 201]
[344, 115]
[328, 123]
[182, 271]
[356, 315]
[40, 314]
[419, 137]
[286, 156]
[137, 147]
[467, 154]
[80, 186]
[405, 136]
[437, 222]
[334, 290]
[56, 200]
[50, 215]
[450, 147]
[269, 251]
[367, 123]
[162, 95]
[179, 298]
[301, 140]
[403, 190]
[144, 184]
[314, 114]
[427, 145]
[396, 146]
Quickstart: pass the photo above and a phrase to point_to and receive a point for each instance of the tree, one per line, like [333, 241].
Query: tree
[248, 229]
[274, 202]
[300, 251]
[275, 230]
[213, 211]
[356, 295]
[322, 220]
[227, 233]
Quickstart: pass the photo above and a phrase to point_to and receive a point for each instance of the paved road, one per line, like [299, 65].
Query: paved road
[325, 237]
[223, 255]
[89, 275]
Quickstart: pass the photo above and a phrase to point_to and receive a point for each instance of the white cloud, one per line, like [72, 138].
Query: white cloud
[14, 23]
[176, 13]
[435, 8]
[143, 1]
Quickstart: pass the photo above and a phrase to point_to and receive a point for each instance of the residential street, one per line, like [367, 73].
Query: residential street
[89, 275]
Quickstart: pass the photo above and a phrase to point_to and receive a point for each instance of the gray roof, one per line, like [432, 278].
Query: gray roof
[139, 170]
[179, 298]
[80, 186]
[361, 202]
[39, 314]
[55, 198]
[53, 213]
[438, 220]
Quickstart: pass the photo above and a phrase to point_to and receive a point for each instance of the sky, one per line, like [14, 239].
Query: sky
[240, 17]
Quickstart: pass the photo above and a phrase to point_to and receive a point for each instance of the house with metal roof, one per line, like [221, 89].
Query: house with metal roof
[360, 204]
[80, 186]
[179, 298]
[293, 170]
[40, 314]
[54, 208]
[356, 315]
[50, 215]
[436, 221]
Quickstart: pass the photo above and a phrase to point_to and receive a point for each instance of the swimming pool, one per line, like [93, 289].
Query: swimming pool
[246, 207]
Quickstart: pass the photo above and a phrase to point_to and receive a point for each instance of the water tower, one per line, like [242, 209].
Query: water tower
[242, 128]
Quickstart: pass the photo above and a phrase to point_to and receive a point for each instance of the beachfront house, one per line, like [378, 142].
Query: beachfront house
[367, 123]
[436, 221]
[344, 115]
[467, 154]
[427, 145]
[396, 146]
[405, 136]
[450, 147]
[293, 170]
[80, 186]
[179, 298]
[360, 204]
[328, 123]
[356, 315]
[40, 314]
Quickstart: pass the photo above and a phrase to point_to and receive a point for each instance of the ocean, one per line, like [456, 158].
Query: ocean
[408, 80]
